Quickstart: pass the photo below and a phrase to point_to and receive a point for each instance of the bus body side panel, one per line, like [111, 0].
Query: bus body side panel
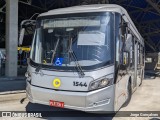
[121, 91]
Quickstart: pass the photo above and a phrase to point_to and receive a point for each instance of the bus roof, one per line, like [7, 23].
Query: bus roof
[86, 8]
[96, 8]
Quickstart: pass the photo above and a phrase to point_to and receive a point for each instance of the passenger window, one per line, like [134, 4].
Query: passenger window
[139, 56]
[132, 54]
[143, 56]
[141, 51]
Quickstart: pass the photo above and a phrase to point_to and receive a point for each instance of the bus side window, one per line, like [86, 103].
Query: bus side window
[142, 56]
[139, 56]
[124, 55]
[132, 53]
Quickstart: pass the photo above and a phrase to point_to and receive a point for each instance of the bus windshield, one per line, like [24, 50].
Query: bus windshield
[89, 37]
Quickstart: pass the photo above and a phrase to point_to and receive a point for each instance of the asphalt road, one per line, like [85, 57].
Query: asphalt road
[18, 105]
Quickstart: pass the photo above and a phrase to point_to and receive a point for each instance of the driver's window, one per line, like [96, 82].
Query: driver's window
[124, 55]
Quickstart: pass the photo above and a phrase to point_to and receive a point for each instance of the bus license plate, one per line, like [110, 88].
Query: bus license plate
[56, 104]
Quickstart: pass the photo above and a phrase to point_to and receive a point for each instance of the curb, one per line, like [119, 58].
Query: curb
[12, 92]
[12, 78]
[11, 96]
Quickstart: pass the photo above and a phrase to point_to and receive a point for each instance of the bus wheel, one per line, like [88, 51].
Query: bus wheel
[129, 94]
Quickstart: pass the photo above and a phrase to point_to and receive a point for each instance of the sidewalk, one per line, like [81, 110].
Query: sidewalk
[12, 89]
[12, 84]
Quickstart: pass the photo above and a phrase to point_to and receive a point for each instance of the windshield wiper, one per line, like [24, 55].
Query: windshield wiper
[79, 68]
[55, 49]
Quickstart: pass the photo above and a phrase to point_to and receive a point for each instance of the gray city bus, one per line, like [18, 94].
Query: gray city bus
[88, 58]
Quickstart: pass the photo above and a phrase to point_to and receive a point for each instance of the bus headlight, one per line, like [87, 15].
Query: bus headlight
[101, 83]
[93, 85]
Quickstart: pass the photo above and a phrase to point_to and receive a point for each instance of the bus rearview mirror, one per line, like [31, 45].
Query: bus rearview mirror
[21, 36]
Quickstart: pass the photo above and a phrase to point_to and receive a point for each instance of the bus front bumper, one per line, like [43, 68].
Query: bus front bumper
[98, 100]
